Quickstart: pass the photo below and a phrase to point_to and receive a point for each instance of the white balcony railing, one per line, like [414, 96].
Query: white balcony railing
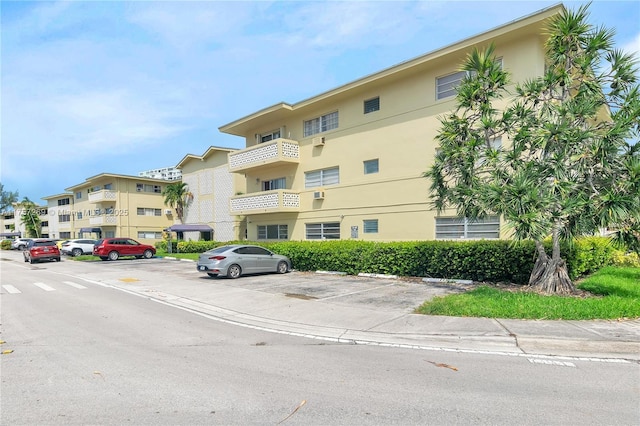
[268, 153]
[103, 220]
[102, 196]
[280, 200]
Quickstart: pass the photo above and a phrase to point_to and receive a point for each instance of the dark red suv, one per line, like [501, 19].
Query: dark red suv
[113, 248]
[41, 249]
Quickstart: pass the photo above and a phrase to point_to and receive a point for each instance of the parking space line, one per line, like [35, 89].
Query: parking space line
[72, 284]
[11, 289]
[44, 286]
[356, 292]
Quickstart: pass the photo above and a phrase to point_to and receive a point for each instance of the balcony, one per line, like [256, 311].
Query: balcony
[277, 201]
[103, 220]
[276, 152]
[102, 196]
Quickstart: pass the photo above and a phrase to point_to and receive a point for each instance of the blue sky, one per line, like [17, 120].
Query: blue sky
[92, 87]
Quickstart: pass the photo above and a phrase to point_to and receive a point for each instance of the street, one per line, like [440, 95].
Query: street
[77, 351]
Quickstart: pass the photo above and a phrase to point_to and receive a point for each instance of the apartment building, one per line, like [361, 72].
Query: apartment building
[12, 225]
[349, 163]
[164, 173]
[113, 205]
[207, 216]
[58, 225]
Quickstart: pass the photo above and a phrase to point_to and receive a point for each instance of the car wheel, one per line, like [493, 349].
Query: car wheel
[234, 271]
[148, 254]
[212, 275]
[57, 259]
[114, 255]
[76, 252]
[283, 267]
[21, 247]
[31, 260]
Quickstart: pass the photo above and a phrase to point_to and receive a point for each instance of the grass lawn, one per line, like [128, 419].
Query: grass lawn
[611, 293]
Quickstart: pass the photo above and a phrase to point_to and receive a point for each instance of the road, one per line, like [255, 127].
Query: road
[79, 352]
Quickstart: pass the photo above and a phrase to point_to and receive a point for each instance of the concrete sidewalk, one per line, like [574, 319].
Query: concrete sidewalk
[379, 312]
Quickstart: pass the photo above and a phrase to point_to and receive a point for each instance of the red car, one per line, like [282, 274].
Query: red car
[113, 248]
[41, 249]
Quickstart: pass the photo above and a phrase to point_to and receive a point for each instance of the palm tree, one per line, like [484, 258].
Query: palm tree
[30, 217]
[177, 195]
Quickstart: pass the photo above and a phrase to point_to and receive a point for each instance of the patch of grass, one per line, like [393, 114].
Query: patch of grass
[611, 293]
[191, 256]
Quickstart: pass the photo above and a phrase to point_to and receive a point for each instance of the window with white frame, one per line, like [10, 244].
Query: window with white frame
[78, 195]
[323, 231]
[321, 124]
[64, 218]
[273, 232]
[150, 235]
[146, 211]
[322, 177]
[266, 137]
[64, 202]
[371, 166]
[370, 226]
[449, 228]
[268, 185]
[446, 85]
[142, 187]
[371, 105]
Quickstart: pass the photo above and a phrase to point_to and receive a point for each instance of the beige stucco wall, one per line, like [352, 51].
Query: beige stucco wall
[401, 135]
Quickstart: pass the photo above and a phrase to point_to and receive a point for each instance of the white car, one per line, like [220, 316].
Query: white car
[20, 243]
[78, 247]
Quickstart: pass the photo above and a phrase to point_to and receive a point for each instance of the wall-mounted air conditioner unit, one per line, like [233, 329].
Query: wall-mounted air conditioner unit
[319, 141]
[168, 212]
[318, 195]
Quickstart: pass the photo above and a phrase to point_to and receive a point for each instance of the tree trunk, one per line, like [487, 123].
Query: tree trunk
[550, 276]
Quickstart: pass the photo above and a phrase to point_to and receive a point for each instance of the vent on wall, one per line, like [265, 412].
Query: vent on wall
[319, 141]
[318, 195]
[168, 212]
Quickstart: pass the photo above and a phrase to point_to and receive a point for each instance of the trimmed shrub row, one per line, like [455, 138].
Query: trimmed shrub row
[491, 261]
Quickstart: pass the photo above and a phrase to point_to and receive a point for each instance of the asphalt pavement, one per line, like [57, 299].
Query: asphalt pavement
[362, 310]
[379, 310]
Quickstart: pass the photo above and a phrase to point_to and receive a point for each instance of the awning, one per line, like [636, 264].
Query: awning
[10, 234]
[189, 228]
[83, 230]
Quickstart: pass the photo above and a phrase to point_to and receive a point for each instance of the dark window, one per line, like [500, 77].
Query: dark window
[371, 105]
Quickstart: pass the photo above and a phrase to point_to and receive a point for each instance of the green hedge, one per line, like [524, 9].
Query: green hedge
[491, 261]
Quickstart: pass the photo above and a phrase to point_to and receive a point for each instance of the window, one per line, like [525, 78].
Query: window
[145, 211]
[323, 231]
[371, 105]
[459, 227]
[78, 195]
[141, 187]
[446, 86]
[65, 235]
[266, 137]
[64, 218]
[321, 124]
[79, 215]
[370, 226]
[64, 202]
[150, 235]
[273, 232]
[371, 166]
[45, 223]
[269, 185]
[322, 177]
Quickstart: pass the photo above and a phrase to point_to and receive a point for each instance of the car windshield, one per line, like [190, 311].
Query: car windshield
[44, 243]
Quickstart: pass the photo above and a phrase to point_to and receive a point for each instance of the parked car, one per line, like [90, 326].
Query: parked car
[235, 260]
[41, 249]
[59, 243]
[78, 247]
[20, 243]
[114, 248]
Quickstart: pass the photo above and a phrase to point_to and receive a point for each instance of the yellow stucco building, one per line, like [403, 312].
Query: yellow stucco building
[111, 205]
[348, 163]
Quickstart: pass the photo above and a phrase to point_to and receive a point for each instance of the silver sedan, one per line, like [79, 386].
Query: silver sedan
[235, 260]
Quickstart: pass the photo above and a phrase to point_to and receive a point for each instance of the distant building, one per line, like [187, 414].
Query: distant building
[165, 173]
